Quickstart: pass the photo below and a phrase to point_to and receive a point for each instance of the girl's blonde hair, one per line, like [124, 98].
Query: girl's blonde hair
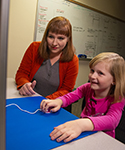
[58, 25]
[117, 70]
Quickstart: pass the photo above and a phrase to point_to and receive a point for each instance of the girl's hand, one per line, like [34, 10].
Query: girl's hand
[27, 88]
[70, 130]
[51, 105]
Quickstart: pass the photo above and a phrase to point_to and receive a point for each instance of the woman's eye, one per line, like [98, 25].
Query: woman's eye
[60, 38]
[50, 36]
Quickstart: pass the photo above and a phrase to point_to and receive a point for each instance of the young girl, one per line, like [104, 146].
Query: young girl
[104, 95]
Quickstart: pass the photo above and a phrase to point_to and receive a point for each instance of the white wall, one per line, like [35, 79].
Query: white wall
[22, 25]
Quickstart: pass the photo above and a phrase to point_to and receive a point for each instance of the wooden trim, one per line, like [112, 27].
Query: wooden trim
[96, 10]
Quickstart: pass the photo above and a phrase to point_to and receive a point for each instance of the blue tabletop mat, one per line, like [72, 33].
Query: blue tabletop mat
[31, 131]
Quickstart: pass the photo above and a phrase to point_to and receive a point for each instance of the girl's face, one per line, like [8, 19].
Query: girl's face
[56, 42]
[100, 78]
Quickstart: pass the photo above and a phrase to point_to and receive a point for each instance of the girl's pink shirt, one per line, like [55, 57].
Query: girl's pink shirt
[104, 114]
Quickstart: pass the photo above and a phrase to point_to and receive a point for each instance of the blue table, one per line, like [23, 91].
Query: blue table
[26, 131]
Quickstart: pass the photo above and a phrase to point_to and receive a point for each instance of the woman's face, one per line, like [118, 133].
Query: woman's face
[56, 42]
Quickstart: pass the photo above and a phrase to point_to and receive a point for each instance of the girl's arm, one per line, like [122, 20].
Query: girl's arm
[111, 119]
[75, 95]
[72, 129]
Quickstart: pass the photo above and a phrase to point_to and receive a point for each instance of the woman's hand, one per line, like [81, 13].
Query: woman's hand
[27, 88]
[70, 130]
[51, 105]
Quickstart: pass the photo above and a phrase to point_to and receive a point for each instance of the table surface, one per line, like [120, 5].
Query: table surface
[31, 130]
[12, 91]
[97, 141]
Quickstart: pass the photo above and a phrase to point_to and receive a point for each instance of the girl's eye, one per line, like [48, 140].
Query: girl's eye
[101, 73]
[92, 71]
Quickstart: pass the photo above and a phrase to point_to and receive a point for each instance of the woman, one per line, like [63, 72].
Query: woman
[49, 67]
